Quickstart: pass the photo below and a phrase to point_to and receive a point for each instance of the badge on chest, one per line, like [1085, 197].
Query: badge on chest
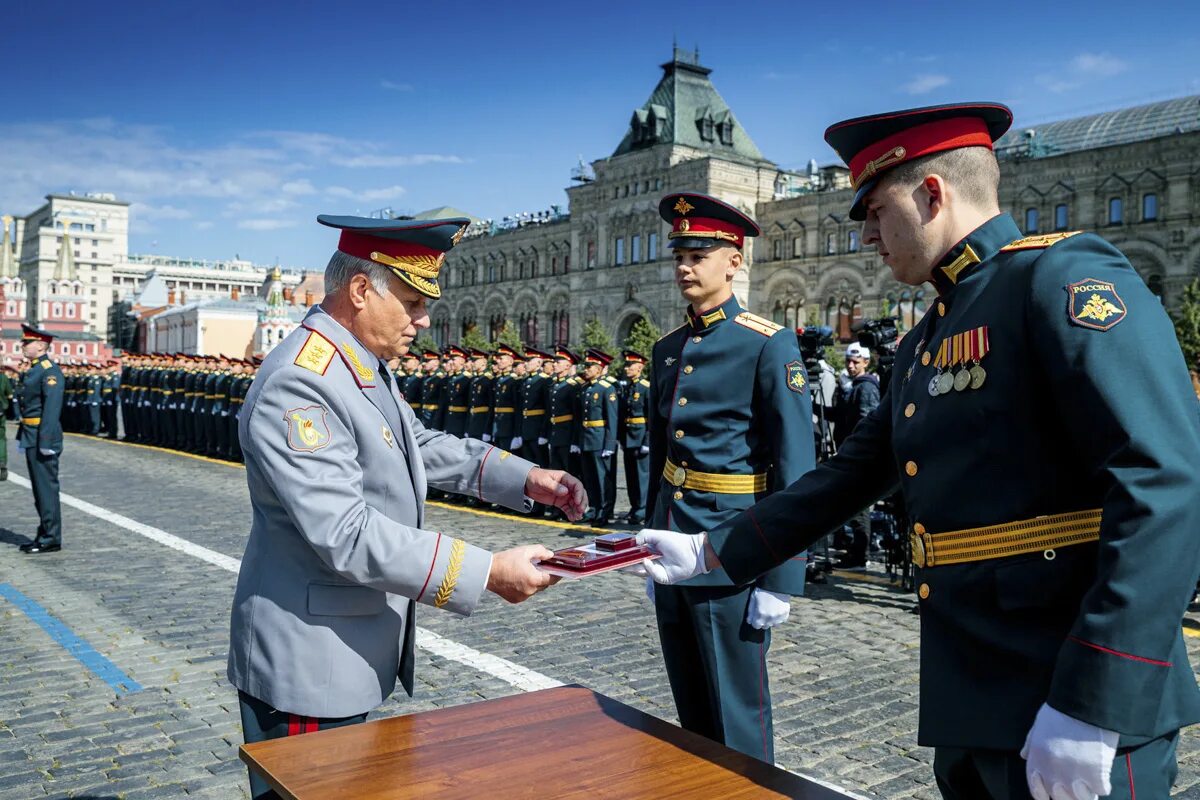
[959, 362]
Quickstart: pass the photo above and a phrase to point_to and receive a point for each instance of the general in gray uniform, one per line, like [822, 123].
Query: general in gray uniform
[337, 465]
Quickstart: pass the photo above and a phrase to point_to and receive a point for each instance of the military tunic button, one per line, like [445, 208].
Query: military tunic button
[910, 409]
[678, 434]
[925, 358]
[678, 495]
[941, 309]
[687, 370]
[683, 401]
[910, 469]
[923, 592]
[695, 340]
[918, 529]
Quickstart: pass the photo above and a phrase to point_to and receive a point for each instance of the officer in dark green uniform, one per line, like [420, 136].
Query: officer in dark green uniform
[1050, 469]
[482, 389]
[410, 384]
[40, 435]
[730, 421]
[535, 400]
[109, 395]
[431, 368]
[507, 397]
[455, 392]
[6, 395]
[635, 444]
[596, 432]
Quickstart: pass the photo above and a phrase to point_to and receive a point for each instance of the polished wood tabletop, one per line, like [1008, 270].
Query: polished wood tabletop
[567, 742]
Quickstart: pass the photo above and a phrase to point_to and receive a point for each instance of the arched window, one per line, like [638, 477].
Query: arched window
[554, 265]
[1061, 218]
[56, 310]
[830, 244]
[852, 242]
[491, 272]
[1031, 220]
[1115, 211]
[529, 328]
[562, 332]
[797, 247]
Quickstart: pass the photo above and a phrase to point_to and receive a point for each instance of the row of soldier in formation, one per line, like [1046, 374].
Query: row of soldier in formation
[560, 409]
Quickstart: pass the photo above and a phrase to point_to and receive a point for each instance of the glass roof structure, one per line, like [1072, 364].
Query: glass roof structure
[1140, 123]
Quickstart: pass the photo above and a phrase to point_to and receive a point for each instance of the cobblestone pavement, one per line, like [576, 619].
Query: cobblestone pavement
[843, 670]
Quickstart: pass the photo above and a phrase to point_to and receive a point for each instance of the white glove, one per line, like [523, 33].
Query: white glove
[1066, 759]
[574, 448]
[644, 449]
[767, 609]
[543, 441]
[682, 555]
[46, 452]
[487, 437]
[650, 589]
[516, 443]
[606, 453]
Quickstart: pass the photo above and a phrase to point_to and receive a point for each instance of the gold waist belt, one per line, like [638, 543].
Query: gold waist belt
[1040, 534]
[535, 412]
[31, 420]
[458, 409]
[636, 421]
[593, 423]
[480, 409]
[504, 409]
[430, 406]
[563, 418]
[712, 482]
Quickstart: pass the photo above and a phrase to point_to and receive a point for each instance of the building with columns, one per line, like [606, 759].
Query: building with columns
[1132, 175]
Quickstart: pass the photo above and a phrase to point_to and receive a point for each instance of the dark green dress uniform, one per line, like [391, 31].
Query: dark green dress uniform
[505, 418]
[220, 412]
[94, 397]
[730, 421]
[632, 436]
[479, 421]
[564, 422]
[41, 436]
[535, 402]
[453, 399]
[410, 387]
[239, 385]
[596, 437]
[6, 394]
[109, 397]
[128, 382]
[1053, 497]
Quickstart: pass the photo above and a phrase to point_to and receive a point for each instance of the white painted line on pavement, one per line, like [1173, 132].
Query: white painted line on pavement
[515, 675]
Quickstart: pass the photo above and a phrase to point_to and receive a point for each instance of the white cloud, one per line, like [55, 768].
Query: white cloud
[923, 84]
[381, 161]
[366, 195]
[1099, 65]
[297, 188]
[266, 224]
[393, 86]
[204, 225]
[147, 211]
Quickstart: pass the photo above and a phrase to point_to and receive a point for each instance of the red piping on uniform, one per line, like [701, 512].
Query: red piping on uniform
[1129, 766]
[310, 724]
[432, 561]
[1111, 652]
[479, 489]
[758, 530]
[762, 723]
[293, 725]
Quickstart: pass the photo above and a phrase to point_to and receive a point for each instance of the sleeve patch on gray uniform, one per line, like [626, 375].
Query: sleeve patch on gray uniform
[307, 430]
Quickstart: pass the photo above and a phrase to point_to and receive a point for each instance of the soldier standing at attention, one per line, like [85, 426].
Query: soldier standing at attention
[323, 618]
[507, 397]
[482, 390]
[410, 385]
[109, 394]
[431, 369]
[564, 422]
[6, 395]
[635, 445]
[1053, 510]
[596, 432]
[730, 422]
[40, 436]
[456, 392]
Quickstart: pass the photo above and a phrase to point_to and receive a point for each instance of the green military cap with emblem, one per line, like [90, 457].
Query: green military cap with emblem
[413, 249]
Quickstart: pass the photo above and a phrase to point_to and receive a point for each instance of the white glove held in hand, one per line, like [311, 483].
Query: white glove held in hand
[45, 451]
[543, 441]
[516, 443]
[644, 450]
[682, 555]
[606, 453]
[487, 437]
[767, 609]
[574, 448]
[1066, 758]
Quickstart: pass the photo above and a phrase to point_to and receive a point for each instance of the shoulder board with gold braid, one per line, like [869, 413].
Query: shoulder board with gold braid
[316, 354]
[643, 382]
[1039, 242]
[757, 324]
[668, 333]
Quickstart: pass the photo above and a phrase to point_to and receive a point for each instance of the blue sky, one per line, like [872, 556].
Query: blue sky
[230, 126]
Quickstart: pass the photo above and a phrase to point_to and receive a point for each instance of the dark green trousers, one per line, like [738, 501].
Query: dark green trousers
[43, 476]
[717, 665]
[1144, 772]
[261, 722]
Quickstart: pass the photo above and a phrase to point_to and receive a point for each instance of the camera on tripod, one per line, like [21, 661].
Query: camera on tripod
[813, 340]
[881, 336]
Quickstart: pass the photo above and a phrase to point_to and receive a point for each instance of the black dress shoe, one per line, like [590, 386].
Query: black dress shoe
[3, 473]
[38, 547]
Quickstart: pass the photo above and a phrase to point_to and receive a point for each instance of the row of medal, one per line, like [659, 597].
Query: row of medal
[957, 362]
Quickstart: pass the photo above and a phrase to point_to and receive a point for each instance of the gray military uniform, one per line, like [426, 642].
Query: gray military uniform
[337, 466]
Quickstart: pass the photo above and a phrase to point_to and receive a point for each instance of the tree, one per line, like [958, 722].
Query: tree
[642, 336]
[1187, 323]
[424, 342]
[596, 335]
[508, 335]
[474, 339]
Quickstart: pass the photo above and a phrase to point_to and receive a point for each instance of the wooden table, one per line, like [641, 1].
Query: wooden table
[567, 742]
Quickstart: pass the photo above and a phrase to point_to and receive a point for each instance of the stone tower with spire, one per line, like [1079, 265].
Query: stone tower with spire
[12, 293]
[275, 319]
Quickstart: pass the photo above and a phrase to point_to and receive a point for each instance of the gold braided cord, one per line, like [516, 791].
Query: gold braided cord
[458, 552]
[689, 234]
[713, 482]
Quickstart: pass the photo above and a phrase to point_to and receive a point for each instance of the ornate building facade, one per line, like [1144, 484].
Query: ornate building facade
[1132, 175]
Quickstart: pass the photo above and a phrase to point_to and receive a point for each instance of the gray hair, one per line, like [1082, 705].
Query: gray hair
[343, 266]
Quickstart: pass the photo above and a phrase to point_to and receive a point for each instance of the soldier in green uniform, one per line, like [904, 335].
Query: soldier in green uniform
[110, 385]
[455, 392]
[1053, 505]
[6, 395]
[635, 445]
[482, 390]
[431, 369]
[40, 436]
[506, 398]
[410, 384]
[596, 432]
[563, 405]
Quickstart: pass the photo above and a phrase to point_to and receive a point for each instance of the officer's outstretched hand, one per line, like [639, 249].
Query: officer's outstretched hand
[682, 555]
[553, 487]
[1067, 758]
[513, 575]
[767, 609]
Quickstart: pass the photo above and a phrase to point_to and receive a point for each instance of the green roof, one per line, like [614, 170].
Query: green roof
[686, 109]
[1123, 126]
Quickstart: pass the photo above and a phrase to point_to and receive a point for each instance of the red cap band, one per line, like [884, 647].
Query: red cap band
[920, 140]
[707, 228]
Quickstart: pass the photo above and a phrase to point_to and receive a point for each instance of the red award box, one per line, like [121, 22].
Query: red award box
[594, 558]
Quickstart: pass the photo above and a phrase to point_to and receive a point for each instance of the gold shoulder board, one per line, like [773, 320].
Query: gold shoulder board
[757, 324]
[316, 353]
[1039, 242]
